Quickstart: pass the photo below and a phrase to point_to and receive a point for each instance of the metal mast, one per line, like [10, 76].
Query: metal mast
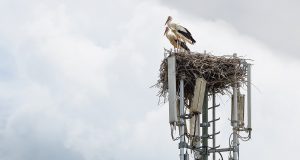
[214, 123]
[249, 97]
[234, 120]
[197, 106]
[205, 126]
[181, 124]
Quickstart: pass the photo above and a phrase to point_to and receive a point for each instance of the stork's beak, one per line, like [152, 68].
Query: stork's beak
[167, 21]
[169, 18]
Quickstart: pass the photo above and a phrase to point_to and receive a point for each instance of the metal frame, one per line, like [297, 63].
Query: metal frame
[203, 148]
[181, 124]
[249, 96]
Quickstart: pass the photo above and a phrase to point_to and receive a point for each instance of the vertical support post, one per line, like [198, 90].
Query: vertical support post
[173, 115]
[249, 96]
[235, 124]
[181, 124]
[234, 121]
[214, 123]
[205, 125]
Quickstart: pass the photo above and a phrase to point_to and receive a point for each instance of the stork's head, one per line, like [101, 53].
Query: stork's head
[169, 19]
[167, 29]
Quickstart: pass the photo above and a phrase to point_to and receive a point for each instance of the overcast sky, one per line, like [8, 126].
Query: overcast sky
[75, 75]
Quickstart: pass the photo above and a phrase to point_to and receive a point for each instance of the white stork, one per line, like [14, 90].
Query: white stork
[180, 31]
[175, 41]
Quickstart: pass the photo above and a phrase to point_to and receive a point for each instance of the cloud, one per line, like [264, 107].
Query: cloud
[67, 87]
[75, 81]
[273, 23]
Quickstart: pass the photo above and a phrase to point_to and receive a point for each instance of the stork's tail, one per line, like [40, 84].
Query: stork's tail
[193, 41]
[183, 45]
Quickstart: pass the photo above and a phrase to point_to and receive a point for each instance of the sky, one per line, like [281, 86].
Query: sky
[76, 76]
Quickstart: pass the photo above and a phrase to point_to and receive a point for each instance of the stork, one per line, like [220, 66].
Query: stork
[175, 41]
[180, 31]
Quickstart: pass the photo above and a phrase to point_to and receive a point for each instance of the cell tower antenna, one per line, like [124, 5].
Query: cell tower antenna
[189, 80]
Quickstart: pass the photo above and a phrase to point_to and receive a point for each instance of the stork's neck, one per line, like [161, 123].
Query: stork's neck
[169, 23]
[170, 34]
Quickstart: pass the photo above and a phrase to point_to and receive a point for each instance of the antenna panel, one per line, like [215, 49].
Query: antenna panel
[172, 89]
[198, 98]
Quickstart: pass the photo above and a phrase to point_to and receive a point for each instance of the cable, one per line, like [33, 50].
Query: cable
[220, 155]
[244, 138]
[211, 148]
[171, 126]
[175, 139]
[230, 144]
[229, 139]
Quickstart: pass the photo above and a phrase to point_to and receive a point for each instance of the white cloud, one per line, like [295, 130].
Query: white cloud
[259, 19]
[80, 78]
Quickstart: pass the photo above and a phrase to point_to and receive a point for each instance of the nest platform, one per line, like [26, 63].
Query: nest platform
[220, 72]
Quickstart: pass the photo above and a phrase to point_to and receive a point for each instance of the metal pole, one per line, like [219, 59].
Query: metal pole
[205, 125]
[214, 123]
[181, 113]
[197, 137]
[249, 95]
[234, 121]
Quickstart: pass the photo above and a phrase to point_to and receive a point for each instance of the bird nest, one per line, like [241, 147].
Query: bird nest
[220, 72]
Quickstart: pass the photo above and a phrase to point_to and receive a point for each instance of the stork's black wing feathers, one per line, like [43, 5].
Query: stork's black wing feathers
[187, 31]
[187, 34]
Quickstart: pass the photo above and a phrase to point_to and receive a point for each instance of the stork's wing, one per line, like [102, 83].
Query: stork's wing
[186, 33]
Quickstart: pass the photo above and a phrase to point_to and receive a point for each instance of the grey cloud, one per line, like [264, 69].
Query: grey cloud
[72, 88]
[79, 78]
[275, 23]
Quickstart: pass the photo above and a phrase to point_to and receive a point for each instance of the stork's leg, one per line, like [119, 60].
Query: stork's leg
[185, 43]
[177, 45]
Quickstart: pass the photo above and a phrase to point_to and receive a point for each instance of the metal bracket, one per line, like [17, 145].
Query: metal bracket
[216, 147]
[211, 135]
[187, 116]
[214, 120]
[220, 150]
[204, 151]
[180, 123]
[183, 145]
[235, 148]
[205, 124]
[205, 136]
[214, 106]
